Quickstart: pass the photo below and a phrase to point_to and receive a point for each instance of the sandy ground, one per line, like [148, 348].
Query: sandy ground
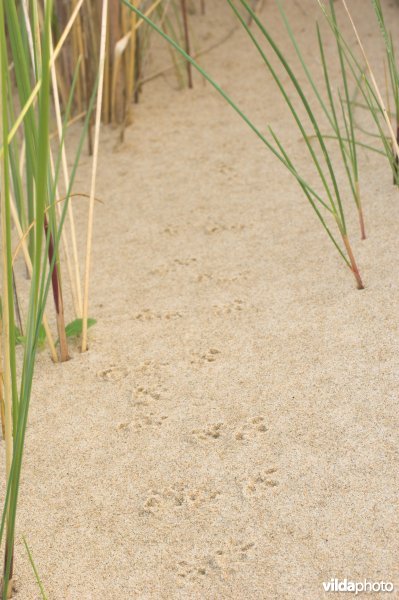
[232, 431]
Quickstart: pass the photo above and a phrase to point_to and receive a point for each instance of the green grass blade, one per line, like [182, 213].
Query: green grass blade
[35, 571]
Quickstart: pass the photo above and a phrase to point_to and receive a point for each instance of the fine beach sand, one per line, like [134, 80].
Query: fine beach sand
[232, 431]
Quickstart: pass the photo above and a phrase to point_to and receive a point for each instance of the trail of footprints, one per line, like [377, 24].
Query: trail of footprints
[251, 429]
[146, 397]
[192, 265]
[218, 227]
[148, 315]
[173, 266]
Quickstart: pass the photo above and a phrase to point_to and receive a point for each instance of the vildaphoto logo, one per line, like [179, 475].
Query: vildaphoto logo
[357, 587]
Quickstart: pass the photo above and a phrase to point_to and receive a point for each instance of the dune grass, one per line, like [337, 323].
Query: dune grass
[328, 208]
[366, 81]
[35, 190]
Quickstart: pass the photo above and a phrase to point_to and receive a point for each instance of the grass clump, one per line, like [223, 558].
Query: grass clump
[29, 198]
[327, 204]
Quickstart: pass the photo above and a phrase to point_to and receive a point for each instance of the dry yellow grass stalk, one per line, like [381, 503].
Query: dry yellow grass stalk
[104, 21]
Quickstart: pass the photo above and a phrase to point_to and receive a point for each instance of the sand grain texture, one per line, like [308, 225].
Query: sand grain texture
[232, 431]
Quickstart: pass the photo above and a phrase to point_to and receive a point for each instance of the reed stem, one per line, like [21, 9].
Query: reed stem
[354, 268]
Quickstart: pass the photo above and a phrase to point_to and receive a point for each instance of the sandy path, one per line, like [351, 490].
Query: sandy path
[232, 431]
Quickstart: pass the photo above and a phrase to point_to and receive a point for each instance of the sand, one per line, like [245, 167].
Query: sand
[232, 431]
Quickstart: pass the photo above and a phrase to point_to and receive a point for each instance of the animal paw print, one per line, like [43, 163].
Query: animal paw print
[147, 315]
[149, 421]
[222, 562]
[252, 428]
[219, 227]
[179, 496]
[173, 266]
[171, 230]
[257, 485]
[204, 277]
[142, 422]
[151, 367]
[241, 276]
[142, 396]
[228, 559]
[232, 307]
[113, 374]
[209, 356]
[186, 262]
[192, 572]
[212, 432]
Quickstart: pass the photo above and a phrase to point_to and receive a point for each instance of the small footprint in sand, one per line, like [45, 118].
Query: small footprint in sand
[179, 496]
[172, 230]
[173, 266]
[226, 309]
[254, 427]
[223, 280]
[113, 374]
[148, 315]
[223, 562]
[232, 554]
[256, 485]
[240, 277]
[151, 367]
[141, 395]
[148, 421]
[213, 228]
[212, 432]
[204, 277]
[184, 262]
[209, 356]
[192, 572]
[143, 422]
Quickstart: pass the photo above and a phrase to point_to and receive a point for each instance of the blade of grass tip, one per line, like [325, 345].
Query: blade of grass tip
[34, 568]
[94, 174]
[235, 107]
